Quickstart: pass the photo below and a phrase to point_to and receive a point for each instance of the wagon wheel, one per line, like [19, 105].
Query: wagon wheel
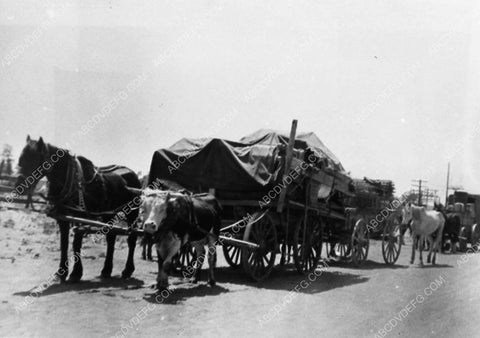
[343, 250]
[233, 255]
[307, 244]
[185, 260]
[258, 263]
[391, 242]
[360, 242]
[462, 239]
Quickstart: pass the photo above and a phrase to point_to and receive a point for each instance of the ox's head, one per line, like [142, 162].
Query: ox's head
[154, 211]
[407, 213]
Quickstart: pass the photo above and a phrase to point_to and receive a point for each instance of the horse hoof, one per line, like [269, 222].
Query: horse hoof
[161, 288]
[127, 274]
[411, 262]
[74, 278]
[212, 282]
[105, 275]
[194, 281]
[61, 279]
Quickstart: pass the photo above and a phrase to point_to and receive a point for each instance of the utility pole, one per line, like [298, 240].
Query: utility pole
[431, 193]
[448, 182]
[419, 186]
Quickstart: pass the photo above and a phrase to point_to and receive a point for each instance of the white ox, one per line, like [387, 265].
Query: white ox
[425, 223]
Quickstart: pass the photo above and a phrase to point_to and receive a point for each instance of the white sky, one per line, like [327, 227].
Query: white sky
[391, 87]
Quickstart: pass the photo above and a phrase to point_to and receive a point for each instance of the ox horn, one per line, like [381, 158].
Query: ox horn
[135, 191]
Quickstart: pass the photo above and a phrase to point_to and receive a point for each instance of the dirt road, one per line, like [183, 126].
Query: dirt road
[339, 301]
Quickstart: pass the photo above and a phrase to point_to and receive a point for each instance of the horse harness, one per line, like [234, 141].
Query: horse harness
[75, 183]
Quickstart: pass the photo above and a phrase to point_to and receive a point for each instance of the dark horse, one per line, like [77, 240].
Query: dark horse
[78, 188]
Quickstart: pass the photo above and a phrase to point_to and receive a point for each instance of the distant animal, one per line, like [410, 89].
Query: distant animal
[451, 231]
[425, 225]
[78, 188]
[174, 219]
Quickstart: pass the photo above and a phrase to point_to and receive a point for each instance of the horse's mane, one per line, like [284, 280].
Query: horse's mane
[85, 162]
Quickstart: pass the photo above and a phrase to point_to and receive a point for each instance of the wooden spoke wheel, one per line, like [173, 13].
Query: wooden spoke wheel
[307, 244]
[258, 263]
[233, 255]
[462, 239]
[360, 242]
[185, 260]
[391, 242]
[342, 250]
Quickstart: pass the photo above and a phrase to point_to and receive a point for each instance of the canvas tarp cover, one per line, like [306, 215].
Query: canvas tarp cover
[229, 167]
[246, 169]
[302, 141]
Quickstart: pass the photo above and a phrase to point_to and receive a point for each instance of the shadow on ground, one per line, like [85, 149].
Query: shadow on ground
[84, 286]
[287, 278]
[367, 265]
[179, 294]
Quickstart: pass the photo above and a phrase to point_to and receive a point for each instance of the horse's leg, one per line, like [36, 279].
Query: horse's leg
[438, 243]
[212, 249]
[62, 271]
[414, 247]
[130, 265]
[108, 266]
[200, 250]
[422, 239]
[430, 248]
[77, 272]
[435, 248]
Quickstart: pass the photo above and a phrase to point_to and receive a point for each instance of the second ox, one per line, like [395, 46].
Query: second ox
[177, 218]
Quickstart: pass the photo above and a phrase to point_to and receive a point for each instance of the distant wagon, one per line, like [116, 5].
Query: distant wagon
[467, 207]
[373, 202]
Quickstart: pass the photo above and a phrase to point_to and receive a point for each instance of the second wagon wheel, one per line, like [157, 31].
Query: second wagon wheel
[185, 260]
[307, 244]
[391, 241]
[343, 250]
[360, 242]
[233, 255]
[258, 263]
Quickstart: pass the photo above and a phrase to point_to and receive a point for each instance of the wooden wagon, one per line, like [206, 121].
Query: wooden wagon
[279, 193]
[371, 207]
[466, 206]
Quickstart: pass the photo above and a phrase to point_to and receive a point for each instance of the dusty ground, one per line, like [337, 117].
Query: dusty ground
[342, 301]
